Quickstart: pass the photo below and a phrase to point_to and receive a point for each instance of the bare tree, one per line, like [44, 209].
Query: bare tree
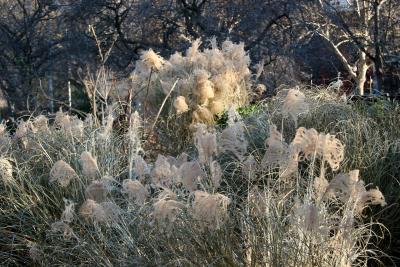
[348, 26]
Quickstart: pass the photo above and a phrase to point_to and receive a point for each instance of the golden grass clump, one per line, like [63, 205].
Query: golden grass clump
[135, 190]
[210, 209]
[209, 80]
[62, 173]
[89, 165]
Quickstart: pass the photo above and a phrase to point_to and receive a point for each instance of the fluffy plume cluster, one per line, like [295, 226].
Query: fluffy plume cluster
[63, 228]
[40, 124]
[164, 171]
[206, 143]
[307, 144]
[22, 131]
[5, 139]
[326, 146]
[96, 191]
[71, 126]
[349, 188]
[180, 105]
[233, 138]
[151, 60]
[62, 173]
[141, 167]
[210, 80]
[210, 209]
[294, 104]
[277, 148]
[135, 191]
[104, 212]
[189, 174]
[166, 211]
[6, 171]
[89, 165]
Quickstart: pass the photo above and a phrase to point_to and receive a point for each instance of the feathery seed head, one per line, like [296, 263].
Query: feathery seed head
[62, 173]
[180, 105]
[89, 165]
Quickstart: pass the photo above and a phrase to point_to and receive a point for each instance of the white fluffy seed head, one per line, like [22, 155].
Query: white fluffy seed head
[152, 60]
[62, 173]
[89, 165]
[96, 191]
[135, 191]
[210, 210]
[294, 104]
[180, 105]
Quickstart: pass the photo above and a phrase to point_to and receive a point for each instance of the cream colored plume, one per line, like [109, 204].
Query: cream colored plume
[6, 171]
[62, 173]
[136, 192]
[165, 212]
[163, 171]
[151, 60]
[180, 105]
[89, 165]
[294, 104]
[190, 173]
[206, 143]
[105, 212]
[210, 209]
[277, 149]
[325, 146]
[96, 191]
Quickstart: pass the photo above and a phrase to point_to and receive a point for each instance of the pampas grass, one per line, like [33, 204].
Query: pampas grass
[260, 190]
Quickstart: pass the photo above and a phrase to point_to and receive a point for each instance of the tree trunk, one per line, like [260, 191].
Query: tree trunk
[362, 68]
[378, 64]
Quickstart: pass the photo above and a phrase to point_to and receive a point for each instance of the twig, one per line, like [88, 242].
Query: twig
[162, 105]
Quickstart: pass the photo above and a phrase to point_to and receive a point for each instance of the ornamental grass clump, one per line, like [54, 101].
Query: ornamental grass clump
[252, 192]
[209, 80]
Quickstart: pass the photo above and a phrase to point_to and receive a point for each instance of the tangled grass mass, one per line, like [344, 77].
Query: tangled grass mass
[199, 179]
